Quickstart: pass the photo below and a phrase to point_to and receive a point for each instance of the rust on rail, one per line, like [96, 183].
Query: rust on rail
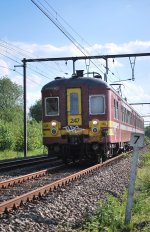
[8, 205]
[20, 179]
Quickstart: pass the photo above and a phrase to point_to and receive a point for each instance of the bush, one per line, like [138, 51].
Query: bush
[34, 135]
[147, 131]
[6, 136]
[108, 217]
[147, 140]
[19, 139]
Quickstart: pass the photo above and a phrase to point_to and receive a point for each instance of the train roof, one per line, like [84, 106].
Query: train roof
[76, 81]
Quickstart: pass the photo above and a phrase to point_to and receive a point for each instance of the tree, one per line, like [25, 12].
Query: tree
[11, 100]
[6, 135]
[36, 111]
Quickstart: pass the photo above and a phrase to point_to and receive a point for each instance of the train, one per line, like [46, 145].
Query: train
[86, 118]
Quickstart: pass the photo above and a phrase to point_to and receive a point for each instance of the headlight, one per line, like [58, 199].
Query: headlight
[53, 123]
[94, 122]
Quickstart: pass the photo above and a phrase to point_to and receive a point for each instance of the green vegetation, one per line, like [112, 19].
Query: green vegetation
[11, 100]
[110, 213]
[9, 154]
[11, 122]
[36, 111]
[108, 217]
[147, 131]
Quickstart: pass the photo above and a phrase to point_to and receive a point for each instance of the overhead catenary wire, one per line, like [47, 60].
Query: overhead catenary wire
[17, 60]
[21, 64]
[20, 74]
[11, 48]
[58, 15]
[58, 66]
[20, 51]
[56, 18]
[63, 30]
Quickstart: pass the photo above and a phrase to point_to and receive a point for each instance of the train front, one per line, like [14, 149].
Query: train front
[75, 116]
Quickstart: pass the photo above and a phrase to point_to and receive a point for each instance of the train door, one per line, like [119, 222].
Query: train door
[74, 108]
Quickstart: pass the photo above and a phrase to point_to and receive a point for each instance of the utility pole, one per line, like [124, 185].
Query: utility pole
[25, 106]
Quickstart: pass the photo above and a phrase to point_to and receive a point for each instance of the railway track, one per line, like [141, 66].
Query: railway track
[35, 191]
[24, 162]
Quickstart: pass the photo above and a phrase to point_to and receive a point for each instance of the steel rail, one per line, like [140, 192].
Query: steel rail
[23, 178]
[11, 204]
[20, 179]
[7, 165]
[21, 159]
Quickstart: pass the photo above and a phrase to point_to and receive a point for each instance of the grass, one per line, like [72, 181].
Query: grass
[7, 154]
[110, 213]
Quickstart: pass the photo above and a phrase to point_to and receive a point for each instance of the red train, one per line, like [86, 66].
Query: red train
[86, 117]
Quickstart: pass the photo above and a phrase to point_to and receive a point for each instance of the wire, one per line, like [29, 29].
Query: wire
[17, 50]
[10, 58]
[58, 24]
[20, 74]
[18, 62]
[58, 15]
[63, 30]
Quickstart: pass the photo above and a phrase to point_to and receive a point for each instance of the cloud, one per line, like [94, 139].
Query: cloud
[135, 92]
[44, 50]
[4, 69]
[113, 48]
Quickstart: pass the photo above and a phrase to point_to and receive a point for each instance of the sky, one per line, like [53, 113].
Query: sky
[97, 27]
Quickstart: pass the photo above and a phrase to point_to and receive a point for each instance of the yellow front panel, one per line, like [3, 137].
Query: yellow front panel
[74, 129]
[74, 119]
[48, 127]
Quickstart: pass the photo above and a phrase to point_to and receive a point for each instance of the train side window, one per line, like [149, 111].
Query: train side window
[122, 110]
[116, 109]
[96, 104]
[128, 117]
[52, 106]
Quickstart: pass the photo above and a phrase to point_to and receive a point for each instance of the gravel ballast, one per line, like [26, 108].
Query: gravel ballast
[65, 208]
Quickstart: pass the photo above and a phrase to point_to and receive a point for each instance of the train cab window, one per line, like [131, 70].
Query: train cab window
[52, 106]
[96, 104]
[74, 109]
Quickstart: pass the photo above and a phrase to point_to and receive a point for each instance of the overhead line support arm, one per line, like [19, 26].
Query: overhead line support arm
[105, 57]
